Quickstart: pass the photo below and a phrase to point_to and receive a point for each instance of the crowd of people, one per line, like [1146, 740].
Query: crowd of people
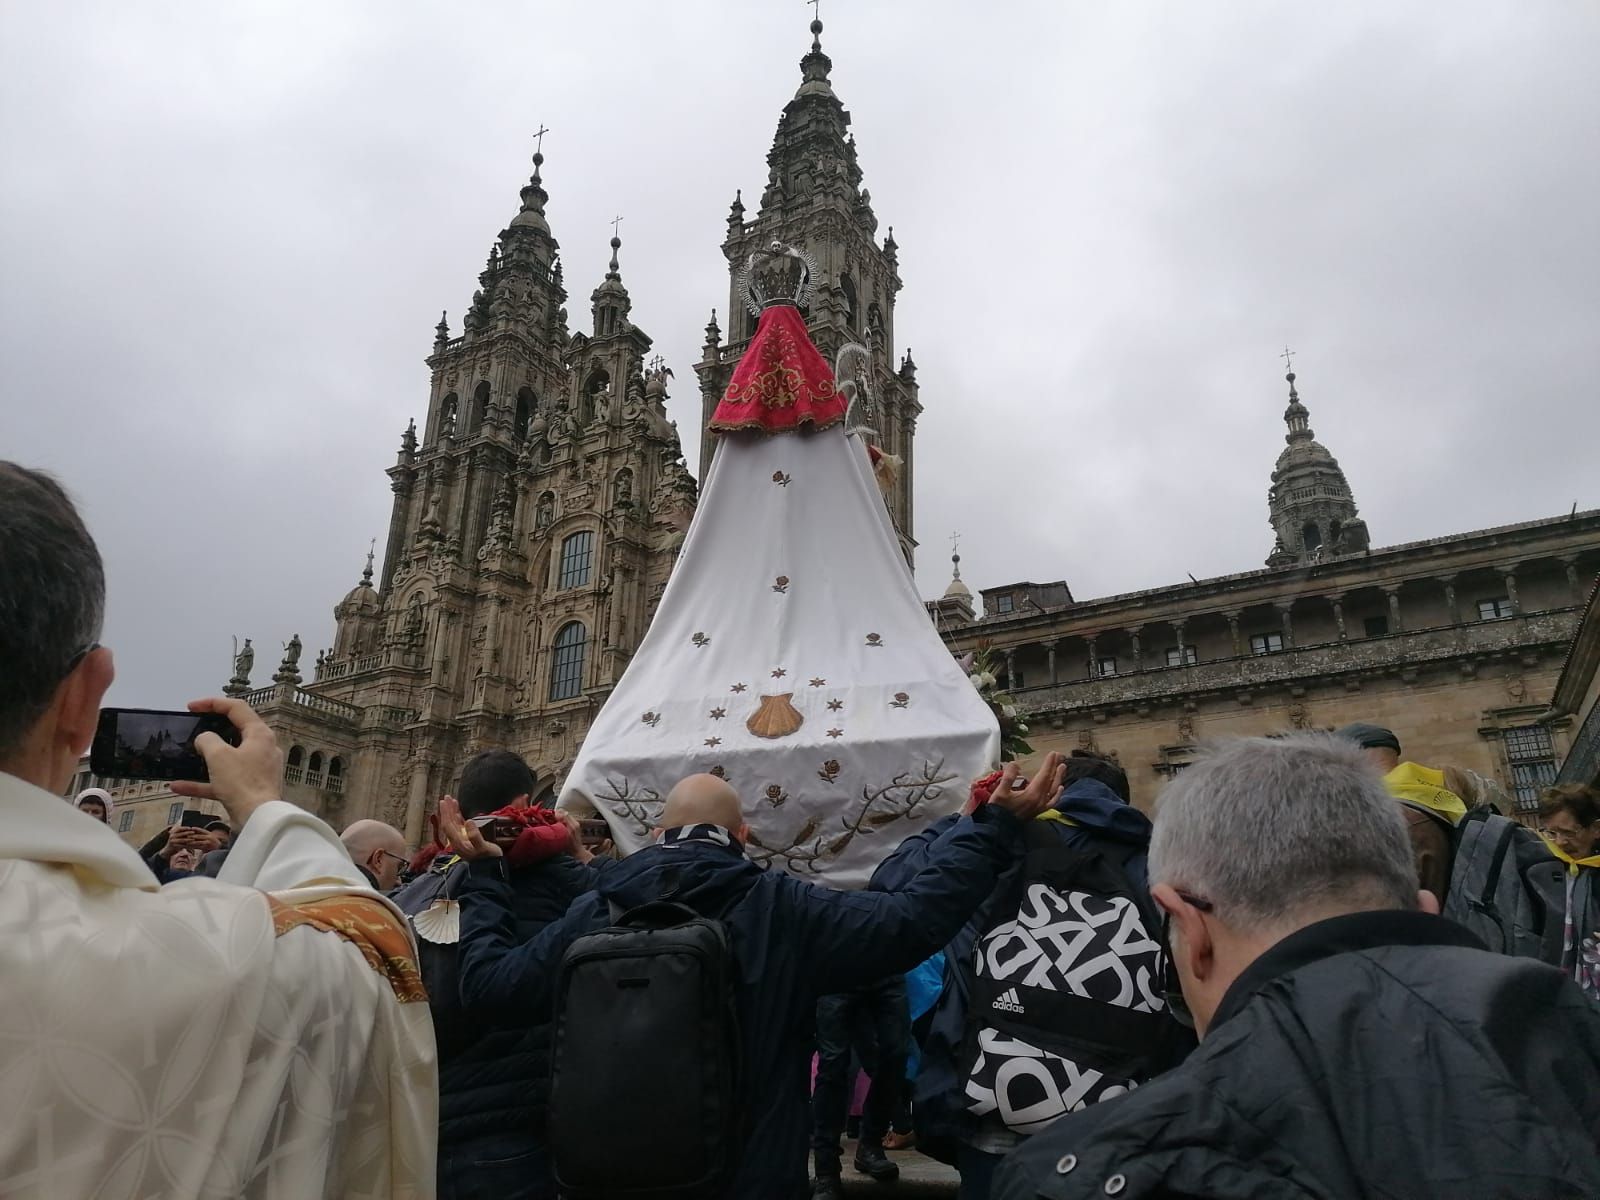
[1319, 971]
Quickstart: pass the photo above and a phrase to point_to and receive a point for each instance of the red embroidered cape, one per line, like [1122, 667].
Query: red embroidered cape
[782, 382]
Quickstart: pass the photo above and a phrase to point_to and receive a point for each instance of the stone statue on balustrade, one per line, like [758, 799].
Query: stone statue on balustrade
[243, 661]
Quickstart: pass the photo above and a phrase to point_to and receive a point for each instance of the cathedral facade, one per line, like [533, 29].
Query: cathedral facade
[539, 509]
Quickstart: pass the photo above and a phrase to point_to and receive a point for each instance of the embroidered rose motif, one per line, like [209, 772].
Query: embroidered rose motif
[781, 479]
[719, 771]
[700, 639]
[901, 700]
[830, 771]
[781, 584]
[874, 639]
[776, 795]
[651, 719]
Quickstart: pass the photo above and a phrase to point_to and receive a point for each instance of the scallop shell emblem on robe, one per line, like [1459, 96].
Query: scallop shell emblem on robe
[439, 923]
[776, 717]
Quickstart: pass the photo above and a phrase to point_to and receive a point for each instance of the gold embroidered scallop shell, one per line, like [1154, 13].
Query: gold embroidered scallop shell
[775, 718]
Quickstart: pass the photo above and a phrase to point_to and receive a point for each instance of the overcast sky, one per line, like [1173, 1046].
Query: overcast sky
[227, 230]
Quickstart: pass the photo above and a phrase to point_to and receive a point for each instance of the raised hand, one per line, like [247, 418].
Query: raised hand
[463, 837]
[243, 777]
[1037, 794]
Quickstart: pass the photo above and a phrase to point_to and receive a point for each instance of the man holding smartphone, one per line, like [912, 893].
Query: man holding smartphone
[237, 1000]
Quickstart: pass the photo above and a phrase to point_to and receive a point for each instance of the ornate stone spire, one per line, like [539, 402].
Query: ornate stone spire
[611, 301]
[534, 198]
[1312, 513]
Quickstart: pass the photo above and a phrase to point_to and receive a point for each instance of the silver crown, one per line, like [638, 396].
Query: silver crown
[780, 274]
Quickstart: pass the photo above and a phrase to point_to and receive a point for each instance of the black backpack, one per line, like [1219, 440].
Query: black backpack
[645, 1059]
[429, 902]
[1067, 1004]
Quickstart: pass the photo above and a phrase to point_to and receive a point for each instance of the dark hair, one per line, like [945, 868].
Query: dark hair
[1575, 798]
[492, 779]
[1086, 764]
[52, 596]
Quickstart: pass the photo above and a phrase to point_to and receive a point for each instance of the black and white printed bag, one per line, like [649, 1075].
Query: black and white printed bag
[1067, 1004]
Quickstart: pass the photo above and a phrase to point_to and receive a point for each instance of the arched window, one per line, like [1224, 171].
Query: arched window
[524, 415]
[847, 288]
[566, 664]
[577, 559]
[480, 407]
[448, 408]
[336, 774]
[1311, 536]
[295, 771]
[314, 770]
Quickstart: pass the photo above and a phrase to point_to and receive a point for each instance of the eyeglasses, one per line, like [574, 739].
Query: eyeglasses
[1171, 985]
[403, 861]
[72, 663]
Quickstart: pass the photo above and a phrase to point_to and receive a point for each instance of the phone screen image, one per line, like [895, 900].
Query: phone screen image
[142, 743]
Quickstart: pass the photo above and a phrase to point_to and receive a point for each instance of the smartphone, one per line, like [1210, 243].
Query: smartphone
[193, 818]
[593, 831]
[147, 743]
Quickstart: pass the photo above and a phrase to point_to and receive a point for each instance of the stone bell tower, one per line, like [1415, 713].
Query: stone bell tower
[537, 515]
[1311, 509]
[814, 200]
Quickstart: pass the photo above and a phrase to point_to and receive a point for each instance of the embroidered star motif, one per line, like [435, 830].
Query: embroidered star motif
[779, 673]
[717, 714]
[738, 687]
[835, 733]
[835, 705]
[818, 682]
[713, 741]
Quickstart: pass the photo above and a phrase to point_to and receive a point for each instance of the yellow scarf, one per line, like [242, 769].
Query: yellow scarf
[1425, 786]
[1572, 863]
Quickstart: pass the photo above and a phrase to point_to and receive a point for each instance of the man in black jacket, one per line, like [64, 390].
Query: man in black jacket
[494, 1076]
[1354, 1043]
[792, 942]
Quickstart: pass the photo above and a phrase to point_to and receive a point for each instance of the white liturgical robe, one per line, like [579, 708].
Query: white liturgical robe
[264, 1034]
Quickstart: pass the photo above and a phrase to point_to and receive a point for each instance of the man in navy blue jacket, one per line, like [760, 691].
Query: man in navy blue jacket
[1091, 814]
[792, 941]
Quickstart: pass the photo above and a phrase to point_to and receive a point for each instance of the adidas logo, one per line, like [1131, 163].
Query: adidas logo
[1008, 1001]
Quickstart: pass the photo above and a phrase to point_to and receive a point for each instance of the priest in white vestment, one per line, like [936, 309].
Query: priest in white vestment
[264, 1034]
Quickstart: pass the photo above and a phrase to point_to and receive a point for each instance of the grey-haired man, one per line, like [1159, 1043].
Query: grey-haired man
[1353, 1042]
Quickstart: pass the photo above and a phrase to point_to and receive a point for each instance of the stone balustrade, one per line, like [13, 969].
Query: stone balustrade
[1395, 651]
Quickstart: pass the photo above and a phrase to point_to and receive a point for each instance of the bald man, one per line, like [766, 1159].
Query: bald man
[792, 941]
[378, 849]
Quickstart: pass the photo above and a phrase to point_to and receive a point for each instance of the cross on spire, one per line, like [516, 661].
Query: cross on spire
[538, 138]
[656, 363]
[1288, 358]
[615, 221]
[955, 543]
[816, 9]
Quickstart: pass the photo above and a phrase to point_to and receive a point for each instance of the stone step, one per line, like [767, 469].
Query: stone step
[920, 1176]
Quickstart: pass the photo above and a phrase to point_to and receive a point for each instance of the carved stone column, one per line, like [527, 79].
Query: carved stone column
[1393, 592]
[1177, 628]
[1050, 647]
[1233, 629]
[1509, 576]
[1570, 562]
[1094, 659]
[1448, 582]
[1284, 608]
[1138, 651]
[1011, 668]
[1337, 600]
